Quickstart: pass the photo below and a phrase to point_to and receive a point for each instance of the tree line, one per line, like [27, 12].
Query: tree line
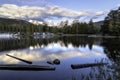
[111, 26]
[75, 28]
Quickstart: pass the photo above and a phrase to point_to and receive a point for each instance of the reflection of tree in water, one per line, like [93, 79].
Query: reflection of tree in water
[12, 44]
[76, 41]
[112, 50]
[96, 72]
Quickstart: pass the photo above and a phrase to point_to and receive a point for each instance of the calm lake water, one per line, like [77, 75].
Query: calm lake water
[69, 50]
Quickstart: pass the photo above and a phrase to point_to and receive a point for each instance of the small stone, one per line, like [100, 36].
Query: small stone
[56, 61]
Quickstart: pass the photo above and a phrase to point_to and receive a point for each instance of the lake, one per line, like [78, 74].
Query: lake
[69, 50]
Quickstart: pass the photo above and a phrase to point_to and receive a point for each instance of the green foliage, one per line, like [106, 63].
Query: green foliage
[80, 28]
[111, 24]
[24, 27]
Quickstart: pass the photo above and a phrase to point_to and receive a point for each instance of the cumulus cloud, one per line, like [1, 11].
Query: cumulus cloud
[49, 12]
[98, 14]
[24, 12]
[94, 15]
[14, 11]
[63, 12]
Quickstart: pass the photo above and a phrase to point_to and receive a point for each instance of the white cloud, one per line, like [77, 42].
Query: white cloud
[23, 12]
[63, 12]
[98, 14]
[48, 12]
[14, 11]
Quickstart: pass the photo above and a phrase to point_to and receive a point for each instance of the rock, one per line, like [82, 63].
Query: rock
[56, 61]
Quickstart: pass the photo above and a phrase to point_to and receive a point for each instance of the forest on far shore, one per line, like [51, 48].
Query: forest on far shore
[110, 26]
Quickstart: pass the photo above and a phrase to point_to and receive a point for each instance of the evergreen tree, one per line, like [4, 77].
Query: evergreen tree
[111, 24]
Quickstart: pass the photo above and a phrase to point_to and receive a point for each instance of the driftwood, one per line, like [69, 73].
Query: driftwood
[78, 66]
[19, 67]
[50, 62]
[28, 62]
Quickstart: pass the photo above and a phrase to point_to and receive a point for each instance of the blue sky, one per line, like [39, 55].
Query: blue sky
[86, 4]
[57, 10]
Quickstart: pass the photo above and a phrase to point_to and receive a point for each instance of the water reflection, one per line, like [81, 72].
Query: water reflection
[96, 73]
[69, 50]
[51, 52]
[112, 49]
[75, 41]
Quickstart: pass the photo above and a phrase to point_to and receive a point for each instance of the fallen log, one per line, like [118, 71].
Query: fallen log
[78, 66]
[19, 67]
[49, 62]
[28, 62]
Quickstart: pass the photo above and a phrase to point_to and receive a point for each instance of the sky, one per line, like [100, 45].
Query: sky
[57, 10]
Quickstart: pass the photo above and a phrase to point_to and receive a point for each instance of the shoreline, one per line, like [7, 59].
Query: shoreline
[10, 35]
[89, 35]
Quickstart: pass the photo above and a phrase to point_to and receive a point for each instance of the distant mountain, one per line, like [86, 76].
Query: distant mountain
[98, 24]
[14, 22]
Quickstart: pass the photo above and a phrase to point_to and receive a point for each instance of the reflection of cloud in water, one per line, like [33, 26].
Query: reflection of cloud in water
[49, 52]
[54, 47]
[32, 56]
[20, 54]
[96, 53]
[7, 59]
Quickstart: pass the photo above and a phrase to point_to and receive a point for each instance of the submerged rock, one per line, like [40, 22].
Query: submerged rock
[56, 61]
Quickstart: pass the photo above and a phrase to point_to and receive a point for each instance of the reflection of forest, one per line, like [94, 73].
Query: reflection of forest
[13, 44]
[112, 50]
[76, 41]
[111, 47]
